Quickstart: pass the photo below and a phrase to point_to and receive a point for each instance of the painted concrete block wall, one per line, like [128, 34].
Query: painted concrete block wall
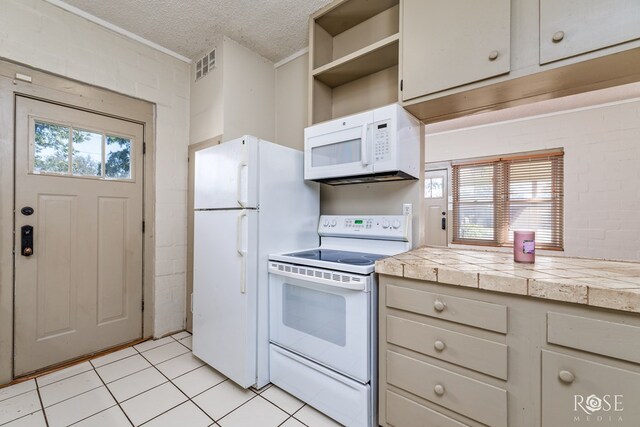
[236, 98]
[292, 94]
[43, 36]
[249, 93]
[602, 173]
[207, 102]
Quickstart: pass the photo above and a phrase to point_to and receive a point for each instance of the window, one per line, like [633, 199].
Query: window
[65, 150]
[434, 188]
[493, 198]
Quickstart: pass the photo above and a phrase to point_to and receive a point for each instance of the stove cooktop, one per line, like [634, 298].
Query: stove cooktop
[340, 257]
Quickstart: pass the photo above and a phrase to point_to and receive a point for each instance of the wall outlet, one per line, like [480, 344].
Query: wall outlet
[407, 209]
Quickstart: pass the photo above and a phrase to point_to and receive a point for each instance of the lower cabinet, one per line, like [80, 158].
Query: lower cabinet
[575, 390]
[451, 356]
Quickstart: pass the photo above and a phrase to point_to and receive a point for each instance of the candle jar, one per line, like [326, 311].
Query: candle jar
[524, 246]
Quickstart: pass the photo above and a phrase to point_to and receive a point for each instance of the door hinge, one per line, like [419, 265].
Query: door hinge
[144, 148]
[401, 85]
[143, 226]
[142, 305]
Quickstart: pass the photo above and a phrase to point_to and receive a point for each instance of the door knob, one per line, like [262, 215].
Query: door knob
[26, 242]
[444, 223]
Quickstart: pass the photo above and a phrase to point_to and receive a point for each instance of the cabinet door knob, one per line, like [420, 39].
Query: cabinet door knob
[439, 345]
[439, 305]
[439, 389]
[558, 36]
[493, 55]
[566, 377]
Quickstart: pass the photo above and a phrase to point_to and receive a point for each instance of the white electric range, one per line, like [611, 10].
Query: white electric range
[323, 315]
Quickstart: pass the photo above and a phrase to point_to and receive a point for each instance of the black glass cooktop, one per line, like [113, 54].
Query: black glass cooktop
[341, 257]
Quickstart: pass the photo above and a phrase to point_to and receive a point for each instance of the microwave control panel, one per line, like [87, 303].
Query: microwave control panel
[382, 143]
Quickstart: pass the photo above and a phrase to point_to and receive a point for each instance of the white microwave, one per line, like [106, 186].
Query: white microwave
[377, 145]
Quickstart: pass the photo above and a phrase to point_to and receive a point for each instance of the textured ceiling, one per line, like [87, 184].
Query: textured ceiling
[273, 28]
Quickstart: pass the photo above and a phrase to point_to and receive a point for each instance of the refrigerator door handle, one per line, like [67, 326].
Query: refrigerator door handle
[241, 252]
[241, 165]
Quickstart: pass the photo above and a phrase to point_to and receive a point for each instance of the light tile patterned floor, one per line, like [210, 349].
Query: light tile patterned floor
[156, 384]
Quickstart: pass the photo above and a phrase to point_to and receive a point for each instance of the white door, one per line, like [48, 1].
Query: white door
[225, 292]
[435, 198]
[226, 175]
[78, 228]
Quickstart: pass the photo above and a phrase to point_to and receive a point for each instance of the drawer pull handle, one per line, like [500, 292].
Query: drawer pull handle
[439, 345]
[558, 36]
[566, 377]
[439, 305]
[439, 389]
[493, 55]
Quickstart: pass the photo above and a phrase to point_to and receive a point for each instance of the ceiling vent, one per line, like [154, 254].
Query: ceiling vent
[206, 64]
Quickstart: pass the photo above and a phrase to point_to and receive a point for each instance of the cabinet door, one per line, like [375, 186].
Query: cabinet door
[452, 43]
[572, 27]
[579, 392]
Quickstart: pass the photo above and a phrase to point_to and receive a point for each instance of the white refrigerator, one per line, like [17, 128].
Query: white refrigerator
[250, 200]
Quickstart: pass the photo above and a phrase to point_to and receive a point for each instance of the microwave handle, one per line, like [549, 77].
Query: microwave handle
[364, 146]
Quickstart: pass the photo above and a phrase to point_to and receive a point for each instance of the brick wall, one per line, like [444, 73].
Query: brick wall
[43, 36]
[602, 169]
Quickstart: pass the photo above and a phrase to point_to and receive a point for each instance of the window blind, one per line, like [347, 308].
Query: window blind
[492, 199]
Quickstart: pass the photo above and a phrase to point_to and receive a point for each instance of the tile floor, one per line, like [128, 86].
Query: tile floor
[156, 384]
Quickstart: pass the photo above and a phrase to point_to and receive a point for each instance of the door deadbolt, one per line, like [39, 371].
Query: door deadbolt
[27, 240]
[27, 210]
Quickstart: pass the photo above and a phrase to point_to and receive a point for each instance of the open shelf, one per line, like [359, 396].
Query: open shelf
[351, 13]
[368, 60]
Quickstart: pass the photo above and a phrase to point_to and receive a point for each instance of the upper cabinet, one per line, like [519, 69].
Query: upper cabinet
[574, 27]
[451, 43]
[353, 57]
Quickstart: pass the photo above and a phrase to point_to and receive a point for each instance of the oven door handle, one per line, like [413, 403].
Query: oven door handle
[311, 281]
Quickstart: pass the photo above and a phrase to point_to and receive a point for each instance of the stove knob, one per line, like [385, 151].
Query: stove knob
[326, 222]
[334, 222]
[385, 223]
[396, 224]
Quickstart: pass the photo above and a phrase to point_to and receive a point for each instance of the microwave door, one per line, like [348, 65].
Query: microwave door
[343, 153]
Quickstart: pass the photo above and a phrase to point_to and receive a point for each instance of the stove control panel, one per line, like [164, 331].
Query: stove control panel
[385, 227]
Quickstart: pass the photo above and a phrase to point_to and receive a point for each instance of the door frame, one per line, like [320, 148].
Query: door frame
[193, 148]
[61, 90]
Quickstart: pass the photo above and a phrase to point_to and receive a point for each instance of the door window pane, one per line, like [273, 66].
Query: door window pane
[51, 148]
[434, 188]
[87, 153]
[118, 157]
[70, 151]
[320, 314]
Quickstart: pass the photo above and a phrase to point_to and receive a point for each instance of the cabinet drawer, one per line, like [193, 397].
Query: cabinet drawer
[596, 336]
[570, 383]
[474, 399]
[402, 412]
[460, 310]
[474, 353]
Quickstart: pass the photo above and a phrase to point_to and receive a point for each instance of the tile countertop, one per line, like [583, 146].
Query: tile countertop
[599, 283]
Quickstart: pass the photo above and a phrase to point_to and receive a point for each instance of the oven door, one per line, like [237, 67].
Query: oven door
[325, 323]
[339, 148]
